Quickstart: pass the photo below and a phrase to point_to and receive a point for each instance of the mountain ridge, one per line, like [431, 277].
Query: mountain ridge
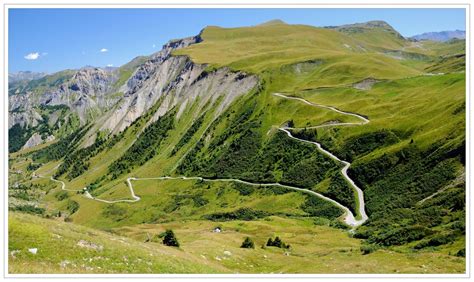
[204, 111]
[442, 36]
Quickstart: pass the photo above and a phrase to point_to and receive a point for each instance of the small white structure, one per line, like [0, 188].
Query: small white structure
[33, 250]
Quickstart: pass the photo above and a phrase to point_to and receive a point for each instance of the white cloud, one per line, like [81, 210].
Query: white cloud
[103, 50]
[44, 53]
[110, 65]
[154, 46]
[32, 56]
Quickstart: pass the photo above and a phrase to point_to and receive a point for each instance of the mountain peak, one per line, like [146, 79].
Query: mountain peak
[272, 22]
[370, 26]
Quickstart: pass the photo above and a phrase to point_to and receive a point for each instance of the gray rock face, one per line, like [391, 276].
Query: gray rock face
[179, 82]
[84, 93]
[365, 84]
[34, 140]
[174, 81]
[91, 82]
[28, 117]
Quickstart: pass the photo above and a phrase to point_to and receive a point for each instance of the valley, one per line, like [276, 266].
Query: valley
[347, 142]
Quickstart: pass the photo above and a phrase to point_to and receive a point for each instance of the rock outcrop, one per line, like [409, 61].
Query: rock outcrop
[179, 82]
[36, 140]
[174, 81]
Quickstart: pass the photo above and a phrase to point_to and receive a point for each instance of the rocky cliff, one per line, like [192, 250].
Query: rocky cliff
[99, 96]
[179, 82]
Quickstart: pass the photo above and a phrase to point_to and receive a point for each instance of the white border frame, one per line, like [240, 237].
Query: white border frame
[238, 4]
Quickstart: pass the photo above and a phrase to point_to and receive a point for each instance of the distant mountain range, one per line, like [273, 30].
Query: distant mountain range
[441, 36]
[24, 75]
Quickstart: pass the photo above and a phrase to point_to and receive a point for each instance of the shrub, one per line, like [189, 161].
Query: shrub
[244, 189]
[461, 253]
[61, 195]
[114, 212]
[29, 209]
[72, 206]
[170, 239]
[240, 214]
[367, 249]
[248, 244]
[315, 206]
[338, 224]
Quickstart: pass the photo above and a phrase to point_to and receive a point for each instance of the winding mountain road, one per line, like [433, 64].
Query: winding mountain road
[349, 217]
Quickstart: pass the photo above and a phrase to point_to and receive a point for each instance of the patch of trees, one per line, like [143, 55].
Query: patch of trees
[77, 162]
[342, 192]
[310, 134]
[62, 148]
[188, 134]
[240, 214]
[33, 166]
[244, 189]
[275, 190]
[277, 242]
[145, 147]
[239, 152]
[437, 240]
[17, 137]
[394, 184]
[28, 209]
[315, 206]
[366, 143]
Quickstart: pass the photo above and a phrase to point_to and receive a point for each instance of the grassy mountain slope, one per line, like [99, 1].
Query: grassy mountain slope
[259, 48]
[409, 160]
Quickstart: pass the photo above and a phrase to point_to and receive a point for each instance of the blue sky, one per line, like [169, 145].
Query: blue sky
[55, 39]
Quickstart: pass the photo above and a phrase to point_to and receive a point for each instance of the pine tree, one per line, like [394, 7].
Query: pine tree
[277, 242]
[248, 244]
[170, 239]
[270, 242]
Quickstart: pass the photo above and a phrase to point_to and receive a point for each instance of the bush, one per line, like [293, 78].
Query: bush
[244, 189]
[461, 253]
[338, 224]
[240, 214]
[33, 166]
[438, 240]
[315, 206]
[61, 195]
[72, 206]
[170, 239]
[367, 249]
[248, 244]
[114, 212]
